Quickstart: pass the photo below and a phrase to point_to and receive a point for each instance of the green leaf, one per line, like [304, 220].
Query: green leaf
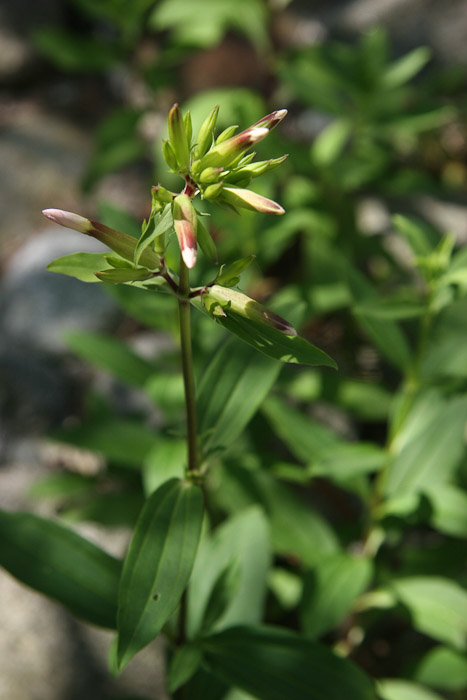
[330, 143]
[395, 689]
[241, 541]
[305, 437]
[405, 68]
[83, 266]
[391, 308]
[273, 664]
[158, 564]
[75, 52]
[296, 529]
[347, 460]
[273, 343]
[55, 561]
[449, 509]
[229, 275]
[222, 595]
[166, 390]
[433, 436]
[222, 409]
[205, 23]
[157, 225]
[123, 276]
[112, 355]
[185, 662]
[123, 442]
[442, 668]
[418, 234]
[330, 590]
[386, 334]
[165, 461]
[437, 606]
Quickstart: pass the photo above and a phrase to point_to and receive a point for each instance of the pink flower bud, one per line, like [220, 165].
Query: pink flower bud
[238, 197]
[224, 153]
[68, 219]
[121, 243]
[185, 224]
[270, 121]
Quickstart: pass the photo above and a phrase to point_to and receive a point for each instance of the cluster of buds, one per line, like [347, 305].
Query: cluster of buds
[219, 169]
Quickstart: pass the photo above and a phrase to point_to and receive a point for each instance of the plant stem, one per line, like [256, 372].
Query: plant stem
[187, 365]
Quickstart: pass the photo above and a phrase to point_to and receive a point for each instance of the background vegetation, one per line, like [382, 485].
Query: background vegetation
[338, 500]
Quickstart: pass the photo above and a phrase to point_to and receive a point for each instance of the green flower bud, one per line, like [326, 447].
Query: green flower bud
[169, 156]
[178, 138]
[160, 194]
[213, 191]
[220, 301]
[185, 224]
[206, 134]
[210, 175]
[246, 199]
[222, 155]
[121, 243]
[188, 128]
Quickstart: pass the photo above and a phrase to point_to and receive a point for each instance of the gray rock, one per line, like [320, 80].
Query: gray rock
[37, 307]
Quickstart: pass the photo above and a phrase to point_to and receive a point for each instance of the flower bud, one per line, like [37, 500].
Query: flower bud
[185, 224]
[206, 134]
[270, 121]
[239, 197]
[188, 128]
[121, 243]
[178, 138]
[210, 175]
[169, 156]
[213, 191]
[161, 195]
[224, 153]
[219, 301]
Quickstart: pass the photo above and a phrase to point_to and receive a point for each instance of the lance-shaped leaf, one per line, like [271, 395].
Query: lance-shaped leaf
[267, 339]
[123, 276]
[246, 199]
[185, 224]
[83, 266]
[229, 275]
[157, 225]
[121, 243]
[158, 564]
[56, 561]
[274, 664]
